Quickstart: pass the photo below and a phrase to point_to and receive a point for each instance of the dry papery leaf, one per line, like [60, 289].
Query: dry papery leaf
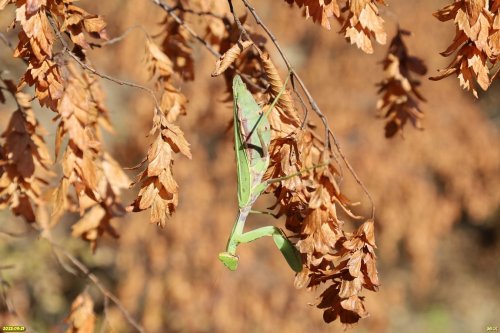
[159, 65]
[360, 19]
[176, 46]
[159, 190]
[399, 100]
[285, 101]
[81, 318]
[230, 56]
[24, 159]
[77, 22]
[475, 44]
[241, 56]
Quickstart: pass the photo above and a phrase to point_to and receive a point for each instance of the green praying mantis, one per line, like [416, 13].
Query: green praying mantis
[252, 136]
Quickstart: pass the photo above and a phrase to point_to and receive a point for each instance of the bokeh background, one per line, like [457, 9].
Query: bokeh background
[437, 195]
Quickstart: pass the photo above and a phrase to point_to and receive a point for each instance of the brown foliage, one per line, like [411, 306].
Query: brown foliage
[475, 44]
[159, 190]
[399, 102]
[24, 158]
[95, 176]
[360, 19]
[36, 41]
[82, 317]
[176, 46]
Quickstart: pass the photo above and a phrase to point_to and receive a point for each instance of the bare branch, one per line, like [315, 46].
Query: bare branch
[125, 34]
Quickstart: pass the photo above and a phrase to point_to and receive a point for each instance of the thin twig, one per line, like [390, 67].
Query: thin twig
[125, 34]
[190, 11]
[107, 294]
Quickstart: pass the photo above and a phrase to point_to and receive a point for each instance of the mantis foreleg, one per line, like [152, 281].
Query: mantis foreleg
[289, 251]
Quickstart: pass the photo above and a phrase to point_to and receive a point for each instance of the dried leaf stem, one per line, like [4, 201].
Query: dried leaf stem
[194, 12]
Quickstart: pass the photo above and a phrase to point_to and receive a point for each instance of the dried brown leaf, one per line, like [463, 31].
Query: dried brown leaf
[319, 10]
[228, 58]
[276, 85]
[81, 318]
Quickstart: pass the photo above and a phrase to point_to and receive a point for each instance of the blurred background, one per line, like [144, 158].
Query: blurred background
[437, 194]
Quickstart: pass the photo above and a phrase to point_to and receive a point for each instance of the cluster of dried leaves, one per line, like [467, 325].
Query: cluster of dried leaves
[476, 44]
[159, 190]
[77, 99]
[24, 157]
[399, 100]
[343, 262]
[75, 96]
[360, 19]
[96, 177]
